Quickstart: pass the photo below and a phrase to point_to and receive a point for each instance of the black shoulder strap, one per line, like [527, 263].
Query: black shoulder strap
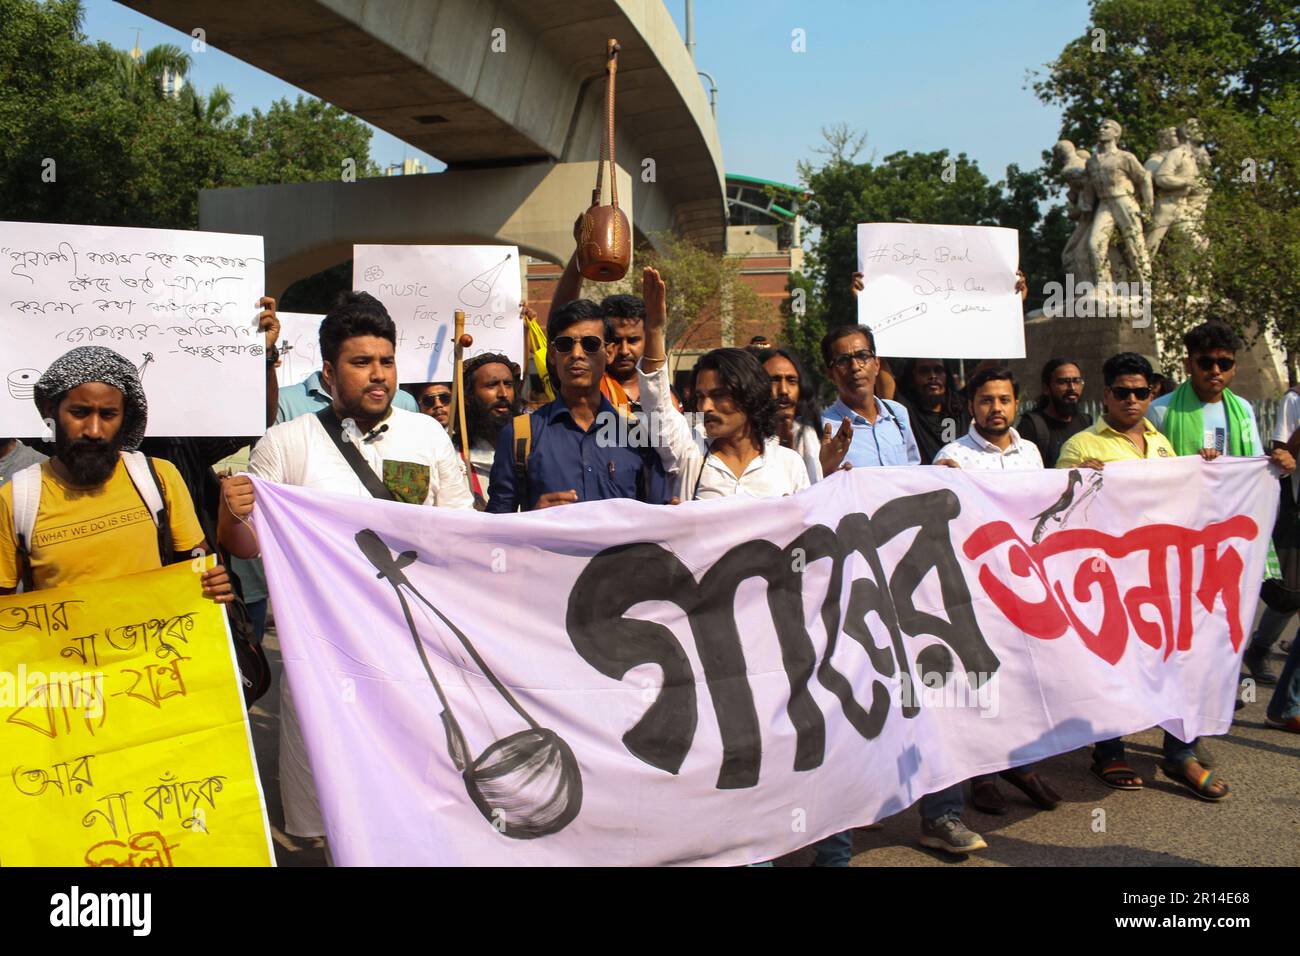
[166, 545]
[522, 429]
[330, 422]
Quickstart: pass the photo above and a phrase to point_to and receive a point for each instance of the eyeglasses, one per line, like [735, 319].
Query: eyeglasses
[591, 344]
[1077, 382]
[1208, 362]
[1122, 393]
[435, 399]
[846, 360]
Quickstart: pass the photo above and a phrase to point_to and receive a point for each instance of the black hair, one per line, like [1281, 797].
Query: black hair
[351, 315]
[1211, 335]
[415, 388]
[571, 313]
[490, 358]
[842, 332]
[806, 410]
[623, 307]
[952, 399]
[1126, 363]
[750, 387]
[998, 373]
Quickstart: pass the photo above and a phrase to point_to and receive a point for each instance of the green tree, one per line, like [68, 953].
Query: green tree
[304, 141]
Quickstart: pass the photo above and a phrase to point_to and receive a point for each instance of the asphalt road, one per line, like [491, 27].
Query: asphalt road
[1162, 825]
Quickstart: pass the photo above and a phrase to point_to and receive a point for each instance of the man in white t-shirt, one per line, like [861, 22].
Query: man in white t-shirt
[410, 454]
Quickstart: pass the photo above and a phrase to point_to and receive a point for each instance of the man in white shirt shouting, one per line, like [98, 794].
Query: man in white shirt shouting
[739, 453]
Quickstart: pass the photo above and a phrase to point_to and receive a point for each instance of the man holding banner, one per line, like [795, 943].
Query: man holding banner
[358, 445]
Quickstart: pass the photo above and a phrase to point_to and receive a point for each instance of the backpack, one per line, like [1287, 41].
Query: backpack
[254, 668]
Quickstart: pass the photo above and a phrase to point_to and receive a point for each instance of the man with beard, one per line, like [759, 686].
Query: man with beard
[491, 400]
[798, 422]
[406, 457]
[90, 517]
[935, 411]
[561, 453]
[1056, 418]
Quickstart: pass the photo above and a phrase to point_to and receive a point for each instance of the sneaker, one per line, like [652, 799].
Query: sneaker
[949, 834]
[1257, 666]
[1284, 723]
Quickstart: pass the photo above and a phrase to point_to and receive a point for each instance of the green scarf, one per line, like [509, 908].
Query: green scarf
[1185, 423]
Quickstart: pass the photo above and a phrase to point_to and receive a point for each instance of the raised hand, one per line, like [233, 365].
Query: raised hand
[835, 447]
[267, 322]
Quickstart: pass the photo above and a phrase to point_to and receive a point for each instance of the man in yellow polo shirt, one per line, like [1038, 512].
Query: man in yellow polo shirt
[91, 519]
[1124, 434]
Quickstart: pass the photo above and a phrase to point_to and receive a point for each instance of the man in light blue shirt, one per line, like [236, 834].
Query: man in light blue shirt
[882, 434]
[309, 396]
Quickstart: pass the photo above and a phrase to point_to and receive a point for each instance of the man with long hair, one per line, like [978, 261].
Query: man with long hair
[799, 424]
[935, 409]
[739, 454]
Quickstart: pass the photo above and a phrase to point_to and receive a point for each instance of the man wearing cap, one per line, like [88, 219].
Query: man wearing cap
[86, 508]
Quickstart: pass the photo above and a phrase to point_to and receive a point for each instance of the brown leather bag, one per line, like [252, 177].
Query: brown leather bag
[604, 236]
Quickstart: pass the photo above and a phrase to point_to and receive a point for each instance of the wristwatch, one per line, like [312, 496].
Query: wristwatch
[272, 355]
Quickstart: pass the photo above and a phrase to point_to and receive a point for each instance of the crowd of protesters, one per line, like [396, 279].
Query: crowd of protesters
[755, 428]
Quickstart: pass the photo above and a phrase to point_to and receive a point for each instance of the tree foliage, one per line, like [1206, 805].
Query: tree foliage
[88, 136]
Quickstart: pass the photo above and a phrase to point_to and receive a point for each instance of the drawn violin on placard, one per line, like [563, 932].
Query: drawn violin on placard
[526, 784]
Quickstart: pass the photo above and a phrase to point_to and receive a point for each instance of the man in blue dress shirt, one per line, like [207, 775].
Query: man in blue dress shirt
[573, 456]
[882, 434]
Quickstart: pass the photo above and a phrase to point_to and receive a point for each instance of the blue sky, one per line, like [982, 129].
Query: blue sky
[921, 75]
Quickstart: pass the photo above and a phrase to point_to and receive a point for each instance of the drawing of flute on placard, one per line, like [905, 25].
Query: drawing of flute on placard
[899, 317]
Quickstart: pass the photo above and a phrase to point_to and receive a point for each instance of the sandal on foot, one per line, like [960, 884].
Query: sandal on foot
[1118, 775]
[987, 798]
[1200, 784]
[1034, 787]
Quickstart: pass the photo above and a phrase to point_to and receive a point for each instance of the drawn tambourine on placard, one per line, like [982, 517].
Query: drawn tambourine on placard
[22, 383]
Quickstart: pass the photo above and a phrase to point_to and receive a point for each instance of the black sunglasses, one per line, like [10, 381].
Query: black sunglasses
[591, 344]
[1207, 362]
[435, 399]
[1122, 393]
[848, 358]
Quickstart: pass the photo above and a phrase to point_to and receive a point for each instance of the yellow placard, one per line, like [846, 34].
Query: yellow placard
[123, 735]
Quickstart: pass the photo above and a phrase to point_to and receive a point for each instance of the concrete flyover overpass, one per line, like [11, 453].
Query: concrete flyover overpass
[519, 128]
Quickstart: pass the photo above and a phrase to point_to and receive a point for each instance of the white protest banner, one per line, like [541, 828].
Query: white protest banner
[182, 306]
[941, 291]
[423, 286]
[299, 346]
[612, 683]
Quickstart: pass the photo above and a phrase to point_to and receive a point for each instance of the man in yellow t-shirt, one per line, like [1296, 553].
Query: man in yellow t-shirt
[92, 523]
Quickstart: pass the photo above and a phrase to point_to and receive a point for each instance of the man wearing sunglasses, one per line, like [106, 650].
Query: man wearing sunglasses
[434, 399]
[569, 457]
[874, 430]
[1203, 416]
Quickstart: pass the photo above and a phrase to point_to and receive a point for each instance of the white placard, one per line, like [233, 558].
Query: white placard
[181, 306]
[941, 291]
[299, 345]
[423, 286]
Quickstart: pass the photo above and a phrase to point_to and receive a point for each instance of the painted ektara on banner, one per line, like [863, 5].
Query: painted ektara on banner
[124, 729]
[613, 685]
[941, 291]
[181, 306]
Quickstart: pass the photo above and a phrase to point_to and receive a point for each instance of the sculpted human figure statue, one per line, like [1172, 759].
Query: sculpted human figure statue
[1182, 176]
[1116, 176]
[1071, 163]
